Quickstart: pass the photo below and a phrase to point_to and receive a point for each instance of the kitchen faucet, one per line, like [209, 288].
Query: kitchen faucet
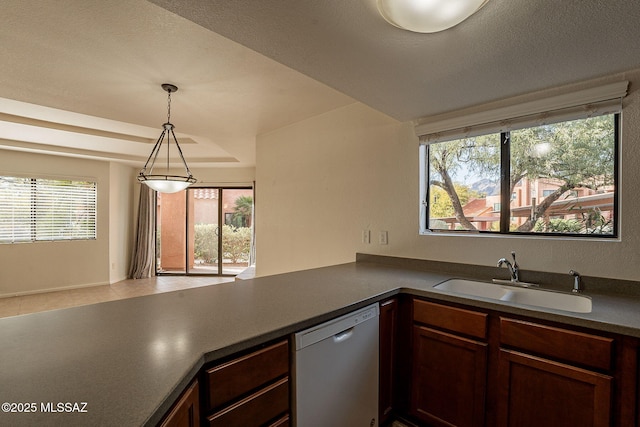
[514, 272]
[514, 269]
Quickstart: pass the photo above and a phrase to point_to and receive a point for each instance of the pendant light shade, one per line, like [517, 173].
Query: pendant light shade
[166, 183]
[428, 16]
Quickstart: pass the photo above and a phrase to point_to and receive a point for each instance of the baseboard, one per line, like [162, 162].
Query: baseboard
[122, 278]
[44, 291]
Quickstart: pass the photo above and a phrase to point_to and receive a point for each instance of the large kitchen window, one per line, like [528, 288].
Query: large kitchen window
[38, 209]
[552, 174]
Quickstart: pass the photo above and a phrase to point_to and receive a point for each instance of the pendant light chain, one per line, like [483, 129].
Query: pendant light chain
[170, 128]
[169, 107]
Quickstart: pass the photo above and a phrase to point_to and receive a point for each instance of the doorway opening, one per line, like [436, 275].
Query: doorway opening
[204, 231]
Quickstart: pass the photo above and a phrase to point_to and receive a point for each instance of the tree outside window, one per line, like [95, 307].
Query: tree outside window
[561, 179]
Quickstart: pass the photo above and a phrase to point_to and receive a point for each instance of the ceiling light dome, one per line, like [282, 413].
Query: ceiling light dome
[428, 16]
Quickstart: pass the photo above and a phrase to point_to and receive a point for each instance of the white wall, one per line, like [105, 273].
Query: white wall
[123, 201]
[321, 181]
[220, 177]
[33, 267]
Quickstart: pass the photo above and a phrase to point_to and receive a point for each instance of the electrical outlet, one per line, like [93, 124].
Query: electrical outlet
[383, 238]
[366, 236]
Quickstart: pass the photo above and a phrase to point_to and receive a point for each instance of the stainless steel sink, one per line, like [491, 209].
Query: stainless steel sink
[528, 296]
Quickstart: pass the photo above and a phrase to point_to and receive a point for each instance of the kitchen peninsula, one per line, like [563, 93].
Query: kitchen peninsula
[127, 361]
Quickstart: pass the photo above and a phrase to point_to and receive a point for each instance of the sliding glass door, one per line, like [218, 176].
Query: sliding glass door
[205, 231]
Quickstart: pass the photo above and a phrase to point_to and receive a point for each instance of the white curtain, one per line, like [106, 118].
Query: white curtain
[142, 265]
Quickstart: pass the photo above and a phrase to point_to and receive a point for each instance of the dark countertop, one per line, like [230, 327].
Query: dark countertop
[130, 359]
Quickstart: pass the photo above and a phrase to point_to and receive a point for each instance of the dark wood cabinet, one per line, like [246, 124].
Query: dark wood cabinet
[449, 369]
[449, 378]
[228, 381]
[573, 347]
[387, 358]
[249, 390]
[474, 367]
[186, 411]
[553, 376]
[258, 409]
[537, 392]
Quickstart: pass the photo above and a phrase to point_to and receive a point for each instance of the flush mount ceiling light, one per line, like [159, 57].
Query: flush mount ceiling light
[166, 183]
[428, 16]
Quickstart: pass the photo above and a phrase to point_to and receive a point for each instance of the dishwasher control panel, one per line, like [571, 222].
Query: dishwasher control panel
[335, 326]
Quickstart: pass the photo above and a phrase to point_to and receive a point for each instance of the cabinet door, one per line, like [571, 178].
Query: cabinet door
[448, 384]
[186, 411]
[538, 392]
[388, 323]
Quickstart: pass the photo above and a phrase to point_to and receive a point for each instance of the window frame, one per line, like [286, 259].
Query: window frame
[506, 196]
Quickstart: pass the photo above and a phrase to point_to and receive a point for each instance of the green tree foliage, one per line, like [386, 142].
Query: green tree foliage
[242, 211]
[558, 225]
[206, 243]
[236, 243]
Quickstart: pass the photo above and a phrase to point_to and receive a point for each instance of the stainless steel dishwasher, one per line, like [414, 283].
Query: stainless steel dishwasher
[336, 372]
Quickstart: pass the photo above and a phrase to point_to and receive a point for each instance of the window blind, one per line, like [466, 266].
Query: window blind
[36, 209]
[578, 105]
[15, 209]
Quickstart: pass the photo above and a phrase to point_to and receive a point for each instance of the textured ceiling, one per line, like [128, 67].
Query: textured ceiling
[83, 76]
[509, 47]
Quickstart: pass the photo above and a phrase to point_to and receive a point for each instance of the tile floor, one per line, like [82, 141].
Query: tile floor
[13, 306]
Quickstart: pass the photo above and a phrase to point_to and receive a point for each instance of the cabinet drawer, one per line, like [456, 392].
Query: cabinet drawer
[238, 377]
[565, 345]
[453, 319]
[256, 409]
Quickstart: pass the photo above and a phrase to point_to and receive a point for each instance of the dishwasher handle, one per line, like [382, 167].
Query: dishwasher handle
[343, 336]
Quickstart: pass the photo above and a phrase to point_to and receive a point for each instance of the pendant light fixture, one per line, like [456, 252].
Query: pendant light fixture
[166, 183]
[428, 16]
